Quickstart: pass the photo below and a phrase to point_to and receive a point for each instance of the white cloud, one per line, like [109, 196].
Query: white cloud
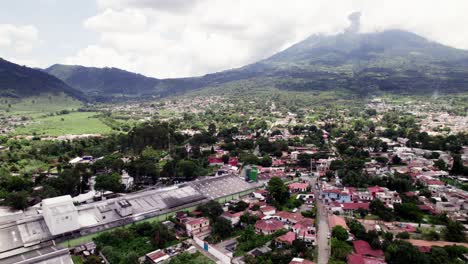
[18, 39]
[174, 38]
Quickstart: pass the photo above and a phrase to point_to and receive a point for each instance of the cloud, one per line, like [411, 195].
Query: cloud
[175, 38]
[113, 21]
[177, 6]
[18, 39]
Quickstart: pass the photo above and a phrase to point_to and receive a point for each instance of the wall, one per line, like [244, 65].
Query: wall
[213, 251]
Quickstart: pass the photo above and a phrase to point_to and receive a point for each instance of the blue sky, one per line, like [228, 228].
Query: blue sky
[177, 38]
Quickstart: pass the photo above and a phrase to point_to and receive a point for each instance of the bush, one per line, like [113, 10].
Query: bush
[403, 235]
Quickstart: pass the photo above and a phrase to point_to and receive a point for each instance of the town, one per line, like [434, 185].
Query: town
[276, 184]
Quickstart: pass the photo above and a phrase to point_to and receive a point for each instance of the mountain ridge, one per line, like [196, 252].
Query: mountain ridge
[20, 81]
[364, 63]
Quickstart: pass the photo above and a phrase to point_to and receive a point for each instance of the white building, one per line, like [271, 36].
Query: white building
[60, 214]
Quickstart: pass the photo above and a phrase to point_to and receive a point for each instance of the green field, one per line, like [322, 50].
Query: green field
[35, 105]
[72, 123]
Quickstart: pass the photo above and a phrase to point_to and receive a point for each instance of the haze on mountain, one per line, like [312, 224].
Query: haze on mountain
[392, 61]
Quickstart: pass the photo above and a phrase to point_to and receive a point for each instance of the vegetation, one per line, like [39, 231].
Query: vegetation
[125, 245]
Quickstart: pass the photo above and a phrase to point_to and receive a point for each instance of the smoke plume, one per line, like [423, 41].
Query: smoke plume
[355, 22]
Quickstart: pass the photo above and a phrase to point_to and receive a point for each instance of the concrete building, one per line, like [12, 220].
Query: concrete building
[60, 214]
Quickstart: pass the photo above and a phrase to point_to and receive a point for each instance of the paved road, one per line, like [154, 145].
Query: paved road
[322, 227]
[322, 235]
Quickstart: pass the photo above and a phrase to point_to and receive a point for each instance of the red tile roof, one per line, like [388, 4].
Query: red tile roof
[360, 259]
[292, 217]
[355, 206]
[375, 189]
[287, 238]
[269, 225]
[363, 248]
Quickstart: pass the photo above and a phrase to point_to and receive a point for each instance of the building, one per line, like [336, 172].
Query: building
[288, 218]
[197, 226]
[126, 180]
[268, 227]
[157, 256]
[124, 208]
[360, 259]
[298, 187]
[234, 218]
[351, 208]
[363, 248]
[335, 220]
[301, 261]
[286, 239]
[60, 214]
[305, 231]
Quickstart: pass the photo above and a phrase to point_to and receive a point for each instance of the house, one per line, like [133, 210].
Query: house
[351, 208]
[335, 220]
[286, 239]
[363, 248]
[288, 218]
[342, 196]
[298, 187]
[305, 230]
[234, 218]
[214, 161]
[157, 256]
[181, 217]
[197, 226]
[360, 259]
[268, 227]
[268, 210]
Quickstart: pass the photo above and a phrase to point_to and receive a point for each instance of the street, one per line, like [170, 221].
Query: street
[322, 226]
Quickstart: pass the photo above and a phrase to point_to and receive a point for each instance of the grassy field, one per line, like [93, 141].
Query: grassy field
[73, 123]
[35, 105]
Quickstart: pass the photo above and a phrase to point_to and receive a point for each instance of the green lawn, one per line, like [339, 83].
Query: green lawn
[73, 123]
[77, 260]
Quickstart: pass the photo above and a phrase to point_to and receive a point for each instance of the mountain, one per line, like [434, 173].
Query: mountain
[21, 81]
[108, 81]
[393, 61]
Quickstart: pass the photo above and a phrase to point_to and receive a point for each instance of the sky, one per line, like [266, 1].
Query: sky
[180, 38]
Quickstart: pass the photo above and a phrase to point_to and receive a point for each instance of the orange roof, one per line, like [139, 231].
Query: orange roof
[335, 220]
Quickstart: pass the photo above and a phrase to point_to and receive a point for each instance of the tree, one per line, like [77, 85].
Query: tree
[378, 208]
[441, 165]
[454, 231]
[211, 209]
[108, 182]
[340, 249]
[402, 252]
[17, 200]
[458, 168]
[340, 233]
[92, 260]
[266, 161]
[278, 190]
[403, 235]
[225, 159]
[212, 129]
[186, 168]
[222, 229]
